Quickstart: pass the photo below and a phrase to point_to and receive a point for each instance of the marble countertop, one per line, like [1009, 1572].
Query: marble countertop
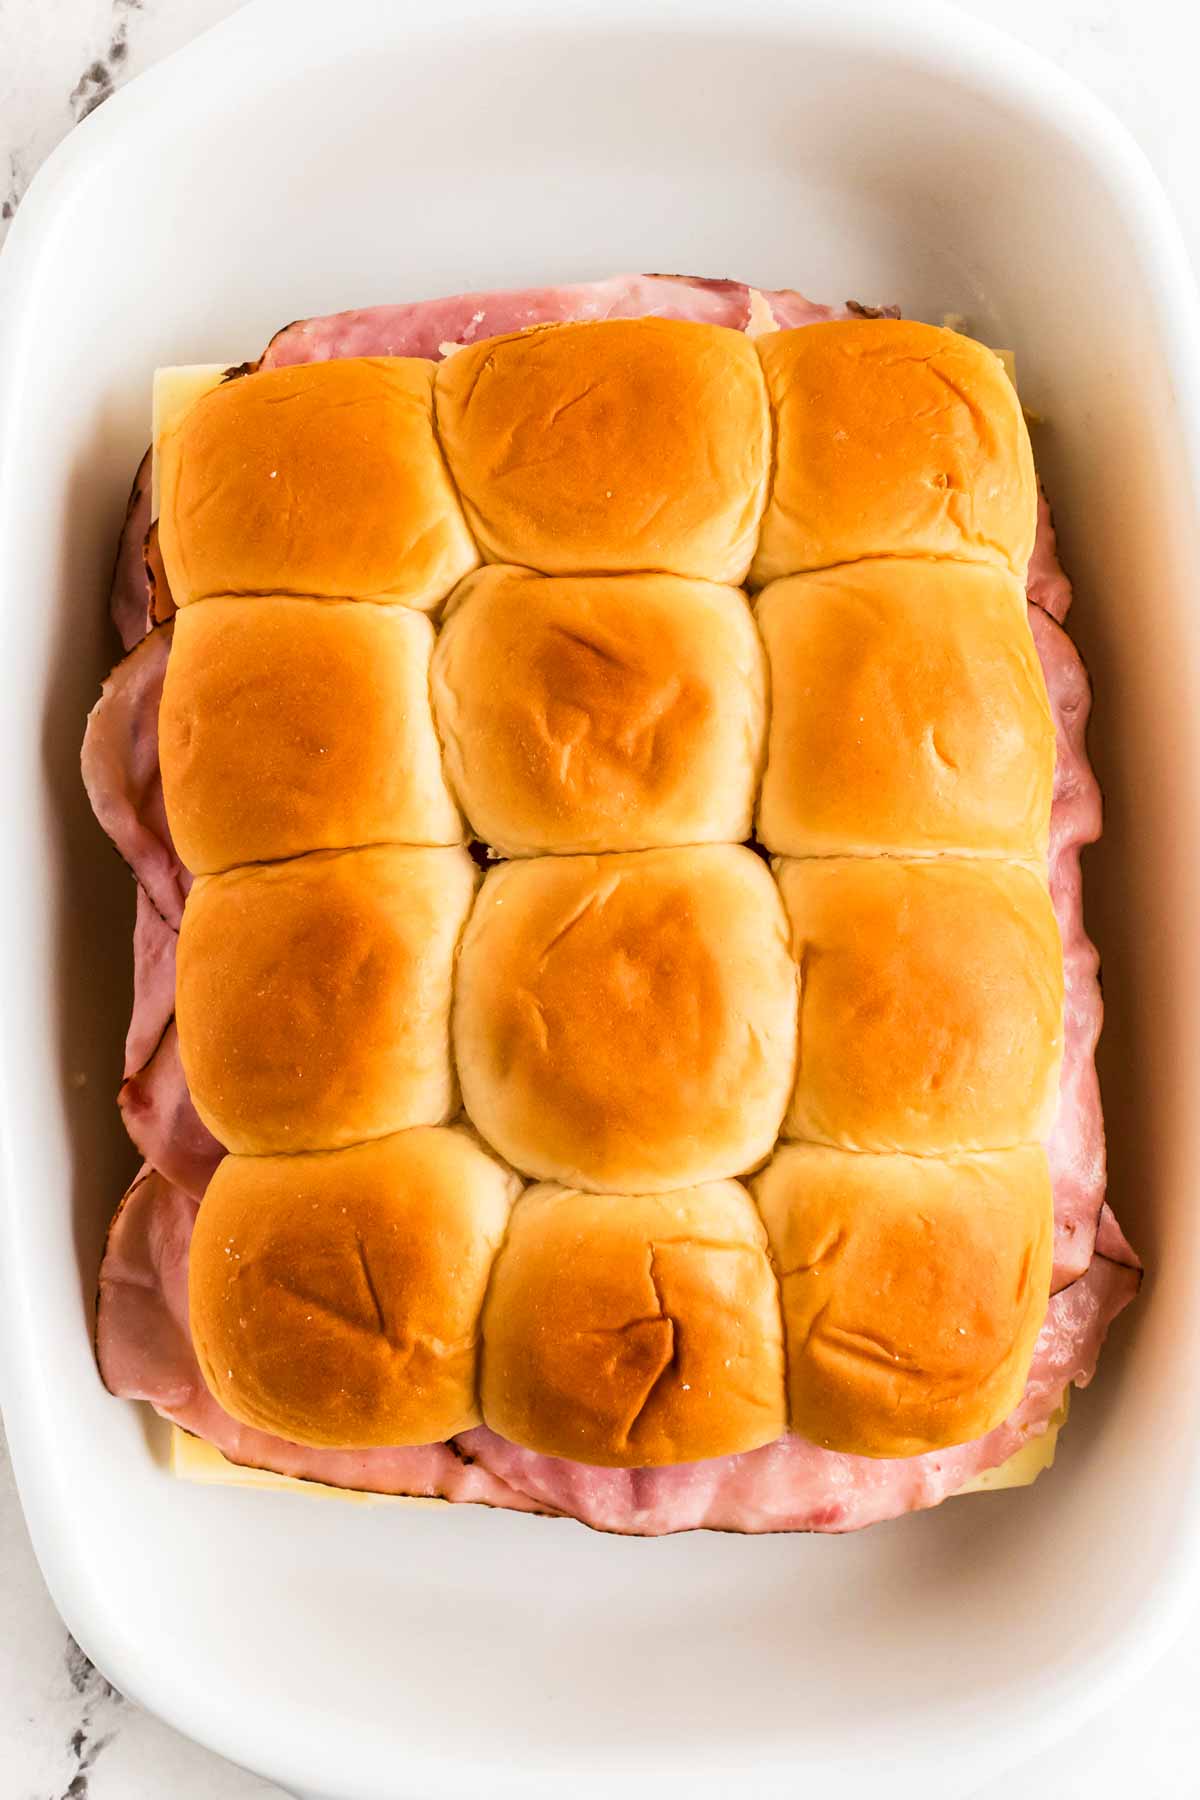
[65, 1734]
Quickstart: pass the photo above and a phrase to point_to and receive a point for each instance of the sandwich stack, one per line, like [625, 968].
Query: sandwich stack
[762, 988]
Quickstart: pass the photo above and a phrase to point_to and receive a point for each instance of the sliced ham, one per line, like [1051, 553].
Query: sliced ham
[142, 1336]
[162, 600]
[1046, 584]
[1112, 1243]
[130, 599]
[154, 944]
[1076, 1145]
[1077, 816]
[144, 1349]
[163, 1123]
[425, 326]
[122, 776]
[145, 1353]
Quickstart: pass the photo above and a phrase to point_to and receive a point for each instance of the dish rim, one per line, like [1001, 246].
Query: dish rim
[938, 39]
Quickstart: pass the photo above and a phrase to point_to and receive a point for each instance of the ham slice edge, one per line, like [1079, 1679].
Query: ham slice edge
[144, 1350]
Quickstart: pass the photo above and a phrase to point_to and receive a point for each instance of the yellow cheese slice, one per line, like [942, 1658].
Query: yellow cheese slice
[1008, 358]
[1024, 1465]
[193, 1460]
[176, 391]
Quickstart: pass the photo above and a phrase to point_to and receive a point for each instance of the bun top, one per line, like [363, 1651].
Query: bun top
[313, 996]
[634, 1331]
[295, 725]
[600, 713]
[913, 1291]
[893, 439]
[619, 445]
[931, 1003]
[871, 643]
[628, 1023]
[335, 1298]
[323, 479]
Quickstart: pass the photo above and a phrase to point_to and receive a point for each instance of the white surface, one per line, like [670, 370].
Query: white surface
[1150, 1739]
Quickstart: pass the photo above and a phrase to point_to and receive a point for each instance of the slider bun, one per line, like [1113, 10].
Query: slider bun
[604, 447]
[322, 479]
[313, 996]
[913, 1291]
[931, 1003]
[909, 713]
[335, 1298]
[600, 713]
[634, 1331]
[628, 1023]
[292, 725]
[893, 439]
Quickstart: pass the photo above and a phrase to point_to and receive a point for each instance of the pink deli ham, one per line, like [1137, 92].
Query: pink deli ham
[163, 1123]
[1046, 583]
[145, 1353]
[122, 776]
[154, 944]
[130, 598]
[422, 328]
[1075, 1148]
[144, 1349]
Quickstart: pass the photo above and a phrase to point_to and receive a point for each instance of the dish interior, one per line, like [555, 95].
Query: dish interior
[270, 173]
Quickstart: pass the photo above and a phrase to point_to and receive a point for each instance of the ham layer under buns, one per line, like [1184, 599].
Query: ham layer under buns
[785, 1485]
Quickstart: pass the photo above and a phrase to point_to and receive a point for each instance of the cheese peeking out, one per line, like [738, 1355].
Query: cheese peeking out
[176, 391]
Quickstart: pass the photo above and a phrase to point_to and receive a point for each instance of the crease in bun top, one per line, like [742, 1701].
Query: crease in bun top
[637, 1008]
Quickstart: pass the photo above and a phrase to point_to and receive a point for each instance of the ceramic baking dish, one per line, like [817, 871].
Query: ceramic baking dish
[305, 157]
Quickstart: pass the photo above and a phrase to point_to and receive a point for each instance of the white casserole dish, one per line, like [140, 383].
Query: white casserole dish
[302, 158]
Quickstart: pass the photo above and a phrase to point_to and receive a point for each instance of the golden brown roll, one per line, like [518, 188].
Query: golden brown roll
[322, 479]
[893, 438]
[913, 1291]
[335, 1298]
[908, 713]
[634, 1331]
[600, 713]
[293, 725]
[313, 996]
[628, 1023]
[931, 998]
[616, 445]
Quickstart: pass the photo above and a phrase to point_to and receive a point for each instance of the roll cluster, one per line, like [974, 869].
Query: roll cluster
[762, 984]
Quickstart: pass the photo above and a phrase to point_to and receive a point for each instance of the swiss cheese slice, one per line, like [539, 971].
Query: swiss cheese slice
[176, 391]
[194, 1460]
